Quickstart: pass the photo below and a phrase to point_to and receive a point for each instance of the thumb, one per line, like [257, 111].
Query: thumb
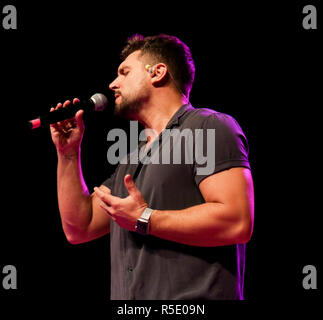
[79, 114]
[130, 185]
[79, 118]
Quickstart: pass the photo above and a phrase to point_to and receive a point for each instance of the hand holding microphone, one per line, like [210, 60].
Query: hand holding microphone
[67, 134]
[66, 122]
[97, 102]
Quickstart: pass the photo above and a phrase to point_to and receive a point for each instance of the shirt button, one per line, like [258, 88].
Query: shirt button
[130, 269]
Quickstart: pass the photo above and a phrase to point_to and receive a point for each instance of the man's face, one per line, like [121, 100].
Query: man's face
[131, 86]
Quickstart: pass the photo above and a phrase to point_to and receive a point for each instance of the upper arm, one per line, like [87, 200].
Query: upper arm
[234, 189]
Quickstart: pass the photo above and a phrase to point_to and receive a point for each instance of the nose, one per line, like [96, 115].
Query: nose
[114, 85]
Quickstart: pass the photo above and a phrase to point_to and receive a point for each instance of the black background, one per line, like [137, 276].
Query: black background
[253, 60]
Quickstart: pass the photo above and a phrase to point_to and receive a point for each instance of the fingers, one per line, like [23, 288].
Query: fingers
[130, 185]
[105, 189]
[76, 101]
[66, 103]
[107, 209]
[104, 194]
[79, 114]
[69, 123]
[57, 124]
[79, 119]
[66, 126]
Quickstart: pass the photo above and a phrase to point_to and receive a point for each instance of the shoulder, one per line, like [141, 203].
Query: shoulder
[210, 119]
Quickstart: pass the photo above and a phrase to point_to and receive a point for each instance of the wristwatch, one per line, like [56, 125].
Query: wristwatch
[142, 226]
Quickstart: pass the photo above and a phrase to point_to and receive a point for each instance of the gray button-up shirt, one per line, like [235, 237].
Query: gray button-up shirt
[147, 267]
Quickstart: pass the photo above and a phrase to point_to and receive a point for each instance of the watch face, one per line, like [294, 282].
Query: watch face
[142, 227]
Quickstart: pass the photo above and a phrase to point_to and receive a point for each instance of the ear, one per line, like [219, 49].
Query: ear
[158, 74]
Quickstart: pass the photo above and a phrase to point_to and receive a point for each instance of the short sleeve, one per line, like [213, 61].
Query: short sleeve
[222, 145]
[109, 182]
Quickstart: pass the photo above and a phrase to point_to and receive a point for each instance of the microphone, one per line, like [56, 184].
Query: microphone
[97, 102]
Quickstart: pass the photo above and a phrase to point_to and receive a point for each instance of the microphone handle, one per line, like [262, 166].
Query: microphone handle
[60, 114]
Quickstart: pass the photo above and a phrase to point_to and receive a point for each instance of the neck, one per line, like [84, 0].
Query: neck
[156, 113]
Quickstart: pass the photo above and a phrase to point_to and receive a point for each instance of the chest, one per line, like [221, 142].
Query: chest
[163, 186]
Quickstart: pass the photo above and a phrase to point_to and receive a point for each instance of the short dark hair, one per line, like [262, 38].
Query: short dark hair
[169, 50]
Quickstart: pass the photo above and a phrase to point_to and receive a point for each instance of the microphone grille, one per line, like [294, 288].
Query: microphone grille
[100, 101]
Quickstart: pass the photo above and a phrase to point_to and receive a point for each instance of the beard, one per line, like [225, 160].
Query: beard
[130, 106]
[127, 108]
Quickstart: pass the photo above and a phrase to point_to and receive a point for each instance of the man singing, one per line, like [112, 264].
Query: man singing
[176, 231]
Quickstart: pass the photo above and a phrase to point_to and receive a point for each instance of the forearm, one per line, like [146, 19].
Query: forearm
[205, 225]
[73, 196]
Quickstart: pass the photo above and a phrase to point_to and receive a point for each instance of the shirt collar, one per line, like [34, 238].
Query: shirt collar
[174, 120]
[181, 111]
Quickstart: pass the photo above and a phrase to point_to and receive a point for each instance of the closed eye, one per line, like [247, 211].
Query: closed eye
[124, 71]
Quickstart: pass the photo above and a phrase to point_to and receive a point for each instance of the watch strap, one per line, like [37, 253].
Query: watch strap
[146, 214]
